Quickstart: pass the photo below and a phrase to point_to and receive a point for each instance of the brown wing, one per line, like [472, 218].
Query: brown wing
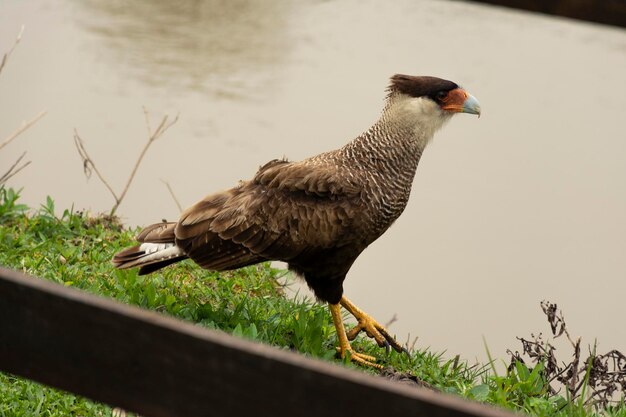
[288, 209]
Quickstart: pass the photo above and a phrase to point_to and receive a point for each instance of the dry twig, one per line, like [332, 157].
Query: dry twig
[21, 129]
[392, 320]
[14, 169]
[169, 188]
[89, 165]
[605, 375]
[410, 346]
[6, 56]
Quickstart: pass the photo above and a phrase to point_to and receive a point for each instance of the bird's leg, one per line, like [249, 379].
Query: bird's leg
[372, 328]
[344, 344]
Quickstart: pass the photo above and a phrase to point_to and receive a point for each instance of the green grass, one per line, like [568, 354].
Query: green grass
[74, 249]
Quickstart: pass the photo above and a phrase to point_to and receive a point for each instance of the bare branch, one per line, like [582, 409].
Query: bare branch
[604, 376]
[169, 188]
[8, 175]
[146, 114]
[410, 346]
[392, 320]
[161, 129]
[13, 170]
[89, 166]
[25, 125]
[5, 57]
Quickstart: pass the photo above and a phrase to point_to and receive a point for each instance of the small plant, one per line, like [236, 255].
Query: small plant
[599, 381]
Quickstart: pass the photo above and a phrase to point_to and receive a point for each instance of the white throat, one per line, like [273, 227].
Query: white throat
[420, 114]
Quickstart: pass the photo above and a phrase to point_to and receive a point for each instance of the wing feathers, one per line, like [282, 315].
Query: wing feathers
[286, 210]
[158, 233]
[327, 180]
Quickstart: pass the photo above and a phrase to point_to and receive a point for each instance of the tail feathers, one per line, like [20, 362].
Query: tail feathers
[149, 257]
[147, 269]
[158, 233]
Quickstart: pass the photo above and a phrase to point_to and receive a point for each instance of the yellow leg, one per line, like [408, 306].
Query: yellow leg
[372, 328]
[344, 345]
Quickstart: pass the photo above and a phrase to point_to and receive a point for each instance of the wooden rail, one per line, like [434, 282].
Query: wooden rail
[159, 366]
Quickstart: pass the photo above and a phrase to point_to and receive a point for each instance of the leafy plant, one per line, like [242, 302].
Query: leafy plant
[75, 248]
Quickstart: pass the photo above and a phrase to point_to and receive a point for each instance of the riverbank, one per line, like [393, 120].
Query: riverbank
[74, 248]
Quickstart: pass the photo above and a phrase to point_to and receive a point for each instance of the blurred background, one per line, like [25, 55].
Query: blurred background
[524, 204]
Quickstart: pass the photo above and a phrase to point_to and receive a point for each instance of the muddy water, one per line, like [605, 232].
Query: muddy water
[523, 204]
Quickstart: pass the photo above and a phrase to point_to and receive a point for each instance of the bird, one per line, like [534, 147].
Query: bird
[317, 214]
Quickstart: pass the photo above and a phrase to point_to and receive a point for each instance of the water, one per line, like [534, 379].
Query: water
[524, 204]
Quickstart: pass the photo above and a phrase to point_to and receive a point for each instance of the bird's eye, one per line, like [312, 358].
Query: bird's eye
[441, 95]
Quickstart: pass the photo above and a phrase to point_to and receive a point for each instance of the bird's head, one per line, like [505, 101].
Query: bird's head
[427, 102]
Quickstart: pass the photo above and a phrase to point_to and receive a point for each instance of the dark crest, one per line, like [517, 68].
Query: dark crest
[419, 86]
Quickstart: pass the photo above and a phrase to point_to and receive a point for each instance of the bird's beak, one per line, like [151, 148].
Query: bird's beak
[460, 101]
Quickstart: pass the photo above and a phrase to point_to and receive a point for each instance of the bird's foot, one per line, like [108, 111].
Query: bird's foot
[344, 349]
[371, 327]
[354, 356]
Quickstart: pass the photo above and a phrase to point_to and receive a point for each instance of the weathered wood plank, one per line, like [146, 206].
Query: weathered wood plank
[159, 366]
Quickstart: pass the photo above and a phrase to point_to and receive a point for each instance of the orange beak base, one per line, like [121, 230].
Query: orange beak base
[460, 101]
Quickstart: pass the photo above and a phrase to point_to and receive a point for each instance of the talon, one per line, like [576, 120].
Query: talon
[365, 323]
[357, 357]
[372, 328]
